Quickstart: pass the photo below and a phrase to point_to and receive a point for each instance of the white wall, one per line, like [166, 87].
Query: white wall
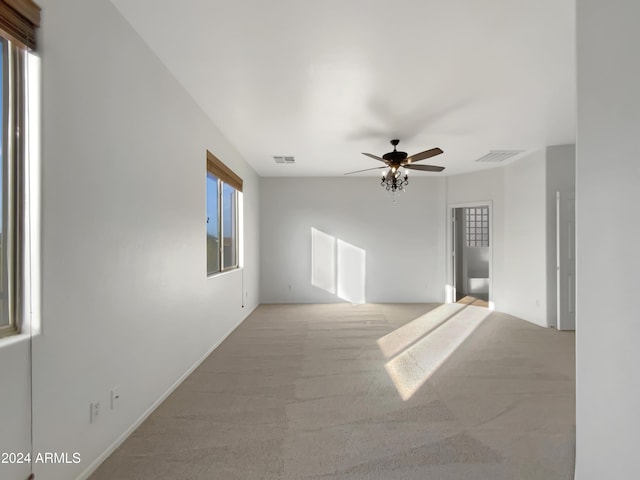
[403, 241]
[125, 298]
[608, 195]
[517, 192]
[15, 396]
[357, 211]
[525, 239]
[561, 177]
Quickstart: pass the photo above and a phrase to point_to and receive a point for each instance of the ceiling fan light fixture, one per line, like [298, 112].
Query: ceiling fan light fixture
[395, 176]
[394, 181]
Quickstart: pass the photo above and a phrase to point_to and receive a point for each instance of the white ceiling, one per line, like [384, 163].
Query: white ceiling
[326, 80]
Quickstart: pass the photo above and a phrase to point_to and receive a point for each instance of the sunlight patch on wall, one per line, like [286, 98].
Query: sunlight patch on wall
[448, 293]
[415, 365]
[240, 230]
[338, 267]
[351, 272]
[323, 260]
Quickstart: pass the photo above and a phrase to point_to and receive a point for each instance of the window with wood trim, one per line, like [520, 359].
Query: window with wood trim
[18, 22]
[224, 188]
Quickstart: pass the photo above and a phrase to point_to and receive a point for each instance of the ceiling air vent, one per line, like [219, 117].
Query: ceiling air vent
[496, 156]
[281, 159]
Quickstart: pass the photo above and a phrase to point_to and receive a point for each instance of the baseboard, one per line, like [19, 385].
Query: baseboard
[120, 440]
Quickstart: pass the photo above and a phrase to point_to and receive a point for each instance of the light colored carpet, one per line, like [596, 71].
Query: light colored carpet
[377, 392]
[471, 300]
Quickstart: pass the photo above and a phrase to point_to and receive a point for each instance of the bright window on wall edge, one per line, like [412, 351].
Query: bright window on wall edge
[19, 20]
[224, 188]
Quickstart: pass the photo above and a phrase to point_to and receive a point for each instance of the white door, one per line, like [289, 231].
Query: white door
[454, 253]
[566, 260]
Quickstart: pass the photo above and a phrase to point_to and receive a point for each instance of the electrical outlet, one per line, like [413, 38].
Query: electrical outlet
[94, 411]
[115, 397]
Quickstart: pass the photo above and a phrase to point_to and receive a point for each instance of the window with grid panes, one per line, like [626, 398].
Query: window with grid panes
[477, 223]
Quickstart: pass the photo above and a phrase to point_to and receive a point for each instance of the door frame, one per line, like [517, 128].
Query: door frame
[565, 261]
[450, 288]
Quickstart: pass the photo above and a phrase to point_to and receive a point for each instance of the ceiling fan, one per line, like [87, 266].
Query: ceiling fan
[395, 160]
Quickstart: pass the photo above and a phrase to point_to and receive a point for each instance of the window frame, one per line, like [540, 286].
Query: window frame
[223, 175]
[14, 76]
[19, 21]
[234, 227]
[6, 327]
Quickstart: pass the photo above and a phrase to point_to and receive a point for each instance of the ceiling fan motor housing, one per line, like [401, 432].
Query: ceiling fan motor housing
[395, 156]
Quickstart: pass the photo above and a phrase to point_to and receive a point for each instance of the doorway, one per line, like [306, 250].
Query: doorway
[470, 249]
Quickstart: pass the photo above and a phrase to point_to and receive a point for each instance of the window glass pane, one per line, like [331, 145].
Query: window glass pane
[229, 227]
[477, 227]
[213, 234]
[4, 317]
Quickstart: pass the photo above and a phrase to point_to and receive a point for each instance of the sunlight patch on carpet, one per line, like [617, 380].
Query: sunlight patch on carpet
[410, 369]
[409, 333]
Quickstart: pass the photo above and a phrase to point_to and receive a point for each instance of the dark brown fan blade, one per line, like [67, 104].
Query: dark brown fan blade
[374, 157]
[424, 155]
[365, 170]
[424, 168]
